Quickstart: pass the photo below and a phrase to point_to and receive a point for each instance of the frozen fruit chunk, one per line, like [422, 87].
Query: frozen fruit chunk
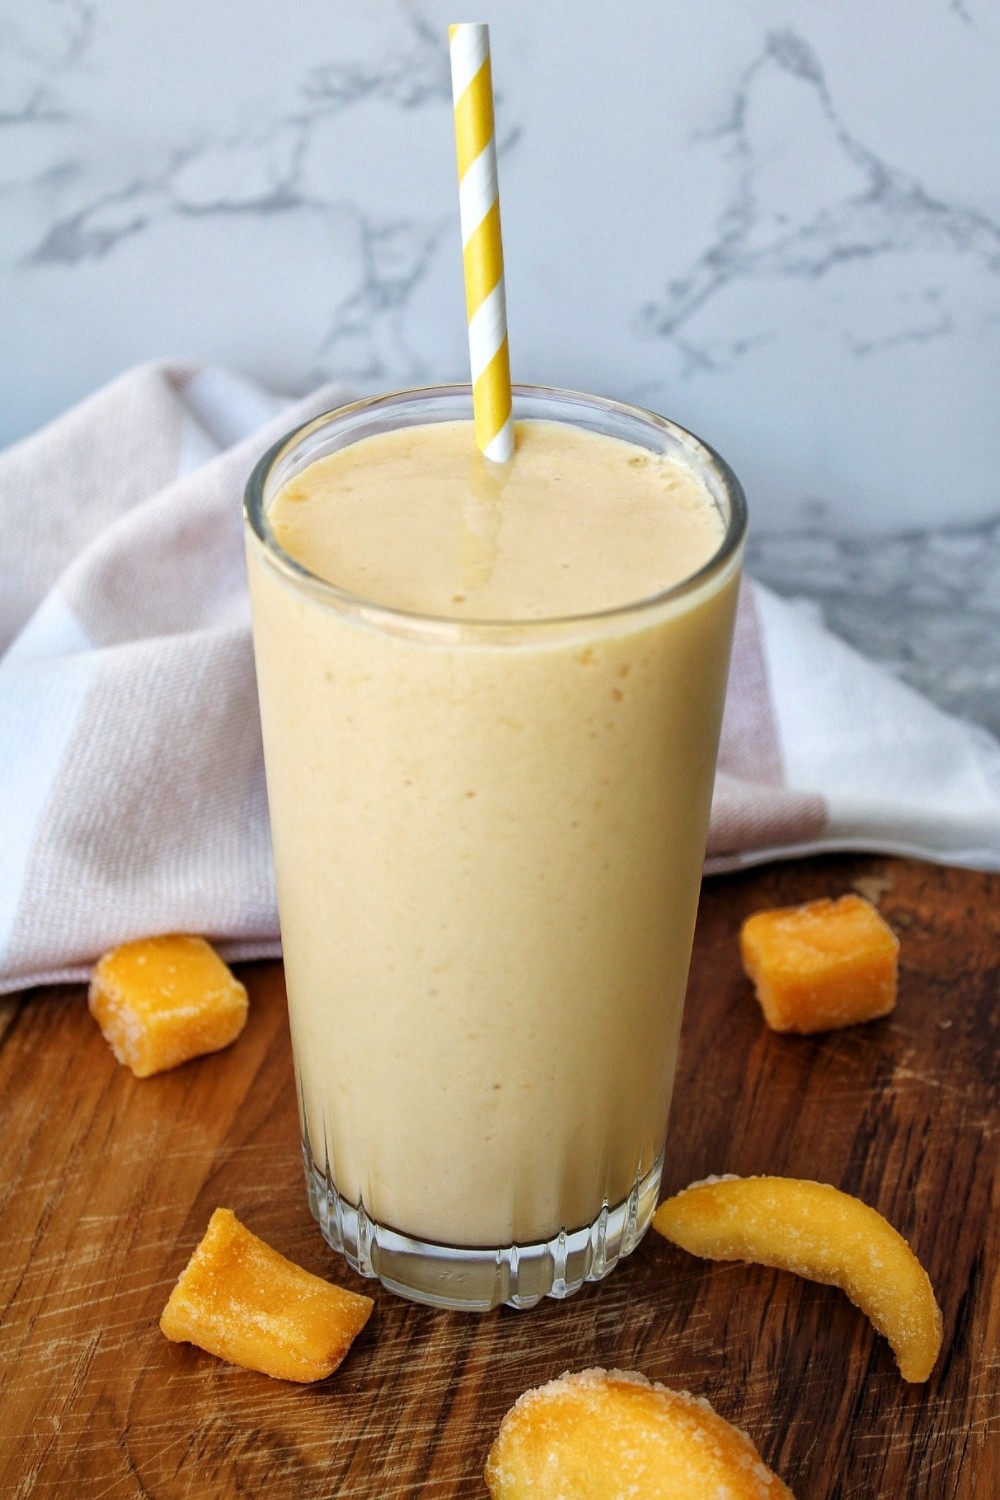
[601, 1435]
[162, 1000]
[241, 1300]
[823, 1234]
[825, 964]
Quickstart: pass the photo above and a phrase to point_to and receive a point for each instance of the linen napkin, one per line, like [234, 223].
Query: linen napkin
[132, 793]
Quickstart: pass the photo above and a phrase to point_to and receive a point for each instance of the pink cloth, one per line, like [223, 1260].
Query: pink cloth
[132, 793]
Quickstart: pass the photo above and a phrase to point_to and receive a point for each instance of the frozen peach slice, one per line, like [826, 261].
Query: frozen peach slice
[606, 1435]
[822, 965]
[821, 1233]
[160, 1001]
[241, 1300]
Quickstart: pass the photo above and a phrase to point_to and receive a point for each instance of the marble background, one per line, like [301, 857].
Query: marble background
[778, 223]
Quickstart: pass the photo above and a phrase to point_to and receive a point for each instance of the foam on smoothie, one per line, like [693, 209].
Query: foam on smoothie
[577, 522]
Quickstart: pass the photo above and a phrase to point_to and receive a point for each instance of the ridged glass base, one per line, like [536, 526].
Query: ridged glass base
[474, 1279]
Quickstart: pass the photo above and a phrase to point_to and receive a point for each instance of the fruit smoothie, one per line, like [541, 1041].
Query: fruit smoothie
[491, 700]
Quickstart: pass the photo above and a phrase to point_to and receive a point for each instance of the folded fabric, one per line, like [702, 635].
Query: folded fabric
[822, 750]
[132, 793]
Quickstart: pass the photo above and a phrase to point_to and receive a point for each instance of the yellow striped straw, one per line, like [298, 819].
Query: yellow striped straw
[482, 251]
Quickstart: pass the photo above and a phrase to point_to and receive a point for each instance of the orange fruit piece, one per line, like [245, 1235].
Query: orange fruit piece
[162, 1000]
[239, 1299]
[611, 1435]
[822, 1234]
[821, 965]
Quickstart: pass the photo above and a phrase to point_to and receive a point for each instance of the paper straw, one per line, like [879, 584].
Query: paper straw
[482, 251]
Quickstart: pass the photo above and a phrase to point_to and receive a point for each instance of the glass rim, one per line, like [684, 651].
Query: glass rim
[452, 626]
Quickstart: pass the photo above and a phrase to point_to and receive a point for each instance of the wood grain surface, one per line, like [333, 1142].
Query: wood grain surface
[107, 1183]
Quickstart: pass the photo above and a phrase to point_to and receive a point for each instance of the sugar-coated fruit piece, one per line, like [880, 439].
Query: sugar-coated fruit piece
[241, 1300]
[821, 965]
[612, 1435]
[162, 1000]
[823, 1234]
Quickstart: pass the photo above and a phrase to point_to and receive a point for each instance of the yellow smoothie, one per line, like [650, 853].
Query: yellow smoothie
[489, 825]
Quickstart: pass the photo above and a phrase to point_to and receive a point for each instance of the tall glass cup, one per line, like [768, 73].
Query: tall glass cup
[488, 841]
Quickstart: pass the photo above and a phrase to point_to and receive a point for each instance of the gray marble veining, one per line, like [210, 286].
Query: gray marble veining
[925, 604]
[859, 207]
[778, 224]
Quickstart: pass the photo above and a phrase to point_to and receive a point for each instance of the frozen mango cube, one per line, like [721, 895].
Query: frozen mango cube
[821, 965]
[239, 1299]
[162, 1000]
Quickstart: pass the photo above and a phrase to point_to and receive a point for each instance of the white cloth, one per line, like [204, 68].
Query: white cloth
[131, 783]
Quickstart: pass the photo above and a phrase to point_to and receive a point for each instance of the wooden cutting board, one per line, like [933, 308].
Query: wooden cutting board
[107, 1183]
